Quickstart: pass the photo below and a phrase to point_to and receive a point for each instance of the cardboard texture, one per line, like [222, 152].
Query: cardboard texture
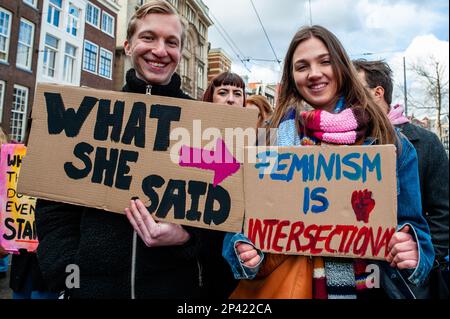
[17, 225]
[86, 157]
[327, 201]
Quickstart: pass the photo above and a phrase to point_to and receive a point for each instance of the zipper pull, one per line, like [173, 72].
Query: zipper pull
[149, 89]
[200, 274]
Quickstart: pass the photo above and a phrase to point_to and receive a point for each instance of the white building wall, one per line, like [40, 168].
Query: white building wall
[64, 37]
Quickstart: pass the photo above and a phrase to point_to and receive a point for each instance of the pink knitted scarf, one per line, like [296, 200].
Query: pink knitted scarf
[344, 128]
[396, 115]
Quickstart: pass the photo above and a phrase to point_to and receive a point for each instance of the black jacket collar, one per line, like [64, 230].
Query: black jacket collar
[410, 131]
[136, 85]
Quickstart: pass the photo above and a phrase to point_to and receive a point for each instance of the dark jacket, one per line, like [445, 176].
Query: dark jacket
[433, 175]
[23, 265]
[101, 244]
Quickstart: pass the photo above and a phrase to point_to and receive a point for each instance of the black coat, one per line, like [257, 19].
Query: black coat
[101, 244]
[23, 265]
[433, 175]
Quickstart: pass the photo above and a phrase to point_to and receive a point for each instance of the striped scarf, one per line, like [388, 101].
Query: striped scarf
[333, 278]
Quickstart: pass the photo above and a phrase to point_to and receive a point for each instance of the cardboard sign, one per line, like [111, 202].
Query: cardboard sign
[328, 201]
[102, 148]
[17, 225]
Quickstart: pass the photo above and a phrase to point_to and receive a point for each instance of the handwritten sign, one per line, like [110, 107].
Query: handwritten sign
[17, 225]
[329, 201]
[100, 149]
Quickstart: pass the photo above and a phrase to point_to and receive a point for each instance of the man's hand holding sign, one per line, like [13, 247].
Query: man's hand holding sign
[153, 233]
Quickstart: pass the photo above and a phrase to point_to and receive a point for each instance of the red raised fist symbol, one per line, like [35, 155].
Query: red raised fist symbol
[363, 204]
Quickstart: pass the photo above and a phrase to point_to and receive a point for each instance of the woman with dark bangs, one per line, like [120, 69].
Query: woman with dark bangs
[226, 88]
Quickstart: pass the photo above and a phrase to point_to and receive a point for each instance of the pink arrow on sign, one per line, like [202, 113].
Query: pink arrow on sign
[220, 160]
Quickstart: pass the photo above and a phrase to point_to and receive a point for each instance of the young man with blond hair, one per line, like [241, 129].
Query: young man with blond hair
[115, 261]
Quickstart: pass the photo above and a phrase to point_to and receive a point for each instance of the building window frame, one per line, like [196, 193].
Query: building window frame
[102, 65]
[5, 35]
[19, 112]
[51, 54]
[88, 63]
[23, 45]
[2, 98]
[70, 60]
[190, 14]
[54, 12]
[31, 3]
[73, 20]
[95, 10]
[202, 29]
[200, 76]
[106, 27]
[174, 3]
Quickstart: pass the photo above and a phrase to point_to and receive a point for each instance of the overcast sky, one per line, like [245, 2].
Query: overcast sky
[386, 29]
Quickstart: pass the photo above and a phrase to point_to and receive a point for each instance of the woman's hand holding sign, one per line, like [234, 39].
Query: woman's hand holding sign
[153, 233]
[247, 254]
[403, 252]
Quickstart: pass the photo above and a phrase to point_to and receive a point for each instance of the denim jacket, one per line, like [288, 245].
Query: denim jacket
[408, 213]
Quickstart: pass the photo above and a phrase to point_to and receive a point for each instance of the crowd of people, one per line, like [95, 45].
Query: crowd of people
[151, 259]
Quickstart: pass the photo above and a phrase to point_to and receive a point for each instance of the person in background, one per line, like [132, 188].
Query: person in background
[4, 259]
[226, 88]
[26, 279]
[262, 104]
[376, 76]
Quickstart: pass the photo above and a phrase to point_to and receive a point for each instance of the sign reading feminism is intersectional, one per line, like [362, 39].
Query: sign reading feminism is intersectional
[100, 149]
[328, 201]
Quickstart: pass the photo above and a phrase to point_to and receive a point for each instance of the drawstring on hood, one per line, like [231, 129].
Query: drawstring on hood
[136, 85]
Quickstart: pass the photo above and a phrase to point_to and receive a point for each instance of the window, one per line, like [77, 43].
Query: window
[202, 29]
[185, 67]
[200, 76]
[90, 57]
[25, 45]
[2, 95]
[190, 14]
[5, 30]
[107, 24]
[174, 3]
[69, 63]
[93, 15]
[50, 55]
[54, 12]
[105, 64]
[19, 113]
[201, 51]
[72, 23]
[30, 2]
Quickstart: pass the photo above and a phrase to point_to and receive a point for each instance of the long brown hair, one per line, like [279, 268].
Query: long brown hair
[348, 84]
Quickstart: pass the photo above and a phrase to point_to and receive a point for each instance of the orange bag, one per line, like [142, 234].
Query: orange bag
[280, 277]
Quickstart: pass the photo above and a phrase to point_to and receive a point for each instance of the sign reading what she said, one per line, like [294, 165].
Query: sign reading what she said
[100, 149]
[328, 201]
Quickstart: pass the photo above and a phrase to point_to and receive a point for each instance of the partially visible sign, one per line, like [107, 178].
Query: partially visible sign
[327, 201]
[17, 225]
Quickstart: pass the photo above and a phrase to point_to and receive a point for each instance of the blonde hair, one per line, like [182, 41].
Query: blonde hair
[348, 84]
[158, 7]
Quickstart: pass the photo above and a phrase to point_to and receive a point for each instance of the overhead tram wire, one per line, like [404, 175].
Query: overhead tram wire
[227, 34]
[264, 29]
[235, 48]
